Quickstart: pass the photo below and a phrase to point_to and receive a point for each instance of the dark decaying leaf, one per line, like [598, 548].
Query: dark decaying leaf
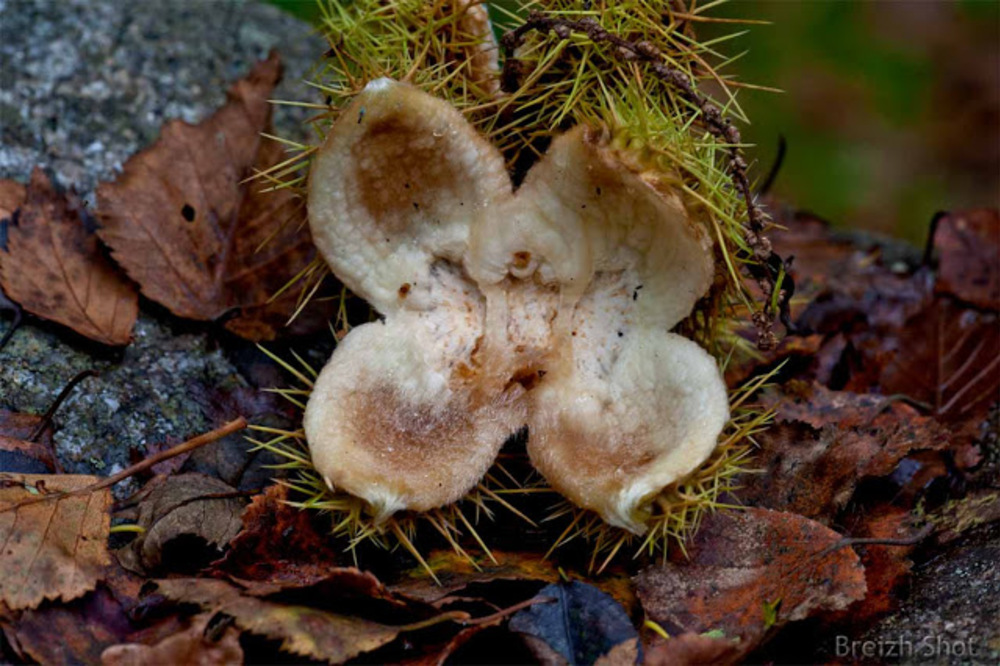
[693, 650]
[12, 195]
[230, 459]
[304, 631]
[968, 245]
[581, 624]
[22, 456]
[198, 645]
[279, 547]
[946, 356]
[54, 268]
[71, 633]
[826, 442]
[55, 549]
[19, 456]
[455, 572]
[189, 507]
[184, 222]
[741, 566]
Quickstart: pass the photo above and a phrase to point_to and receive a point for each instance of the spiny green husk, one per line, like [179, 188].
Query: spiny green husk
[562, 82]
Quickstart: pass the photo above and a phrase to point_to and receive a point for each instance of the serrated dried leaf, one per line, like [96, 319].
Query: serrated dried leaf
[55, 549]
[192, 505]
[184, 222]
[54, 268]
[825, 442]
[302, 630]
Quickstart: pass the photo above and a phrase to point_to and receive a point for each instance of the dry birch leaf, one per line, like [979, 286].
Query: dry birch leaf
[55, 549]
[184, 222]
[54, 268]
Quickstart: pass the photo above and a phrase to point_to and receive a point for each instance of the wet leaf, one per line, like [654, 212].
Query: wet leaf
[580, 625]
[184, 222]
[197, 645]
[54, 268]
[825, 442]
[968, 244]
[740, 561]
[189, 506]
[55, 549]
[302, 630]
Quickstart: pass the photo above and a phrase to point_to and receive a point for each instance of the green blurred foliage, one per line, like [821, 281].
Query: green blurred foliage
[307, 10]
[890, 109]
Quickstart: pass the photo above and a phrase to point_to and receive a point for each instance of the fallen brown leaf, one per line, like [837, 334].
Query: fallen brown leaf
[54, 268]
[22, 456]
[692, 650]
[12, 195]
[743, 563]
[969, 246]
[184, 223]
[279, 546]
[17, 455]
[55, 549]
[71, 633]
[302, 630]
[886, 567]
[187, 505]
[825, 442]
[195, 646]
[455, 572]
[947, 356]
[17, 425]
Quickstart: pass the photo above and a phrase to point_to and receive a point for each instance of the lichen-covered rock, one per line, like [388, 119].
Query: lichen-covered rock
[83, 86]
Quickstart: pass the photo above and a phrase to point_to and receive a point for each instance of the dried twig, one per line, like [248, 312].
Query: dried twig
[184, 447]
[767, 268]
[56, 404]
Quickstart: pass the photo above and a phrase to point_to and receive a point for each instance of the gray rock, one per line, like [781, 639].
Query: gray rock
[83, 86]
[952, 613]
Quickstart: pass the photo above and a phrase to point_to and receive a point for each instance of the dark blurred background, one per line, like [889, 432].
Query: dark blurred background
[891, 109]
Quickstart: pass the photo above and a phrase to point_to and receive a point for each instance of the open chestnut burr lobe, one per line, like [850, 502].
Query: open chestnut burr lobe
[548, 306]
